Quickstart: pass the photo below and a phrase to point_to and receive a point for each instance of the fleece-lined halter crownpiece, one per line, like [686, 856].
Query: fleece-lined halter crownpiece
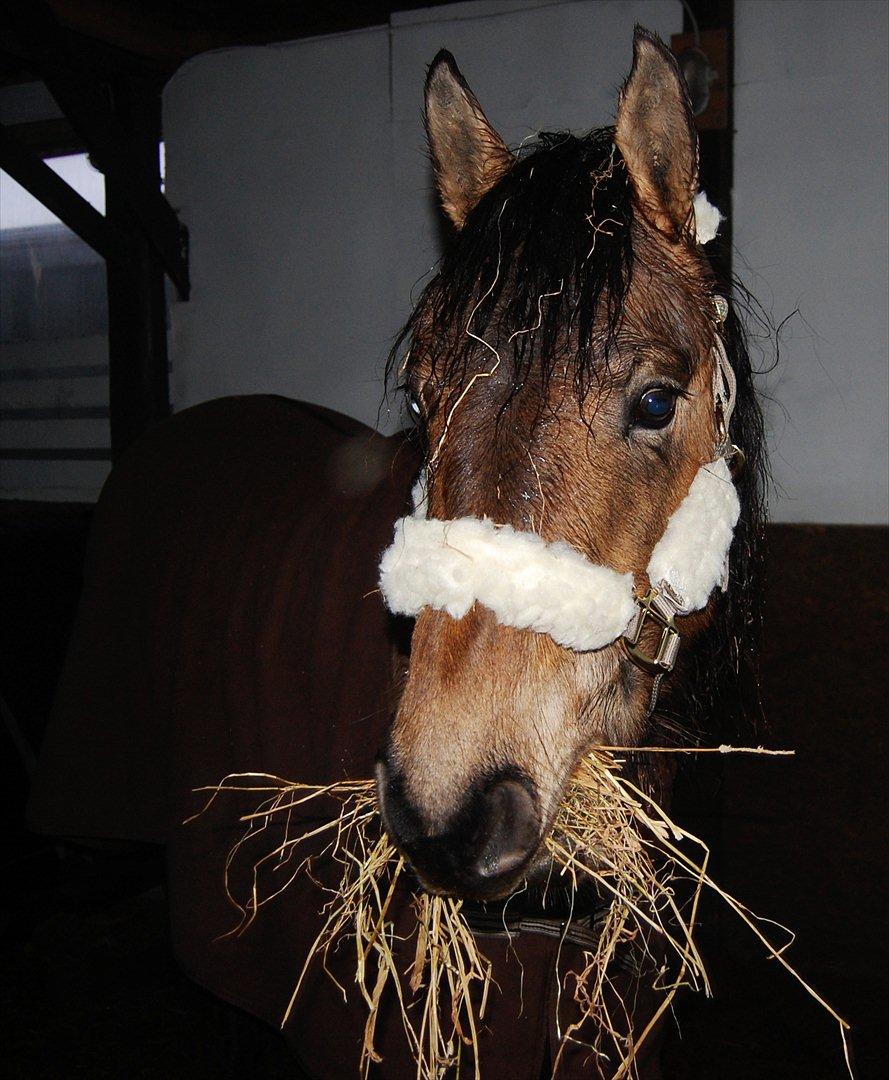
[553, 589]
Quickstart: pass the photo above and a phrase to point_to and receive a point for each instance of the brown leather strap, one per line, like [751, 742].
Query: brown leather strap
[583, 931]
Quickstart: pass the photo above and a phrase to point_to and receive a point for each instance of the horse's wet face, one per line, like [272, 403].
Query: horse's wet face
[493, 720]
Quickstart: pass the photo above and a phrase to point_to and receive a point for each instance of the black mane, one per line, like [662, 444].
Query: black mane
[720, 691]
[543, 249]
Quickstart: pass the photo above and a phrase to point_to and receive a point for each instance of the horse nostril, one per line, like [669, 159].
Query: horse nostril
[484, 845]
[509, 830]
[401, 820]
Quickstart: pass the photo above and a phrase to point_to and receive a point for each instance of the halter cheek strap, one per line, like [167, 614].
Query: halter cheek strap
[552, 588]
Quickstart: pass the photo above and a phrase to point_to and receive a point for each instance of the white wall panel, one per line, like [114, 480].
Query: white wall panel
[810, 210]
[301, 172]
[278, 162]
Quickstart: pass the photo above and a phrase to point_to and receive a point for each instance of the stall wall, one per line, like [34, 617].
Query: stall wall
[812, 232]
[301, 173]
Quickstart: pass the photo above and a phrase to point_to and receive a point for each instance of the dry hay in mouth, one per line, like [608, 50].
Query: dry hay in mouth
[447, 963]
[607, 829]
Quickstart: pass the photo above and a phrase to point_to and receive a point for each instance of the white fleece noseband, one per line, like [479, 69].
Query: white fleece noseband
[550, 587]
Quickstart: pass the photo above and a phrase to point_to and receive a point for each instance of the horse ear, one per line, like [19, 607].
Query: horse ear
[468, 154]
[656, 135]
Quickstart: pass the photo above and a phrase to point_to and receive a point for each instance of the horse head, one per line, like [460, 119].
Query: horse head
[562, 366]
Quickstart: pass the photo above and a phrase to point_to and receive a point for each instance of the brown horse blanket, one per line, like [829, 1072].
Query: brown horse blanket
[230, 622]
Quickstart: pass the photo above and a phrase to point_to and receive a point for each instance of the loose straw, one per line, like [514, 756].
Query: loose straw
[608, 831]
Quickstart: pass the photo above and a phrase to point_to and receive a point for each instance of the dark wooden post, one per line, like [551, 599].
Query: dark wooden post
[714, 22]
[118, 119]
[137, 332]
[699, 801]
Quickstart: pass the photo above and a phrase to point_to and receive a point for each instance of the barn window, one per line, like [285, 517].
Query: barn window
[55, 441]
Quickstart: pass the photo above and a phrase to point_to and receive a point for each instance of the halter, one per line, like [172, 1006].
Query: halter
[550, 587]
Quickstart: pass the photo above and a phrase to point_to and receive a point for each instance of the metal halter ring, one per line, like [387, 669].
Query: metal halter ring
[661, 608]
[736, 458]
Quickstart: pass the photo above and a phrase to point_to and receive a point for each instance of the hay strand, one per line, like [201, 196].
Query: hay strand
[607, 830]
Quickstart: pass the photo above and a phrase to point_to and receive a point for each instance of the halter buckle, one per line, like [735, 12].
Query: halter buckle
[737, 460]
[660, 606]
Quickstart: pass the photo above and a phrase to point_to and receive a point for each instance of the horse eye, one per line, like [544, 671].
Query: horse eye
[413, 403]
[655, 408]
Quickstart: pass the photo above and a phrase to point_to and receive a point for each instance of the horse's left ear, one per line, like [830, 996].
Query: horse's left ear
[656, 135]
[468, 154]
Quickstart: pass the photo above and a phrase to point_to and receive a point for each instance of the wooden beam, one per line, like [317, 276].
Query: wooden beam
[58, 197]
[48, 138]
[716, 140]
[138, 380]
[170, 33]
[704, 800]
[91, 114]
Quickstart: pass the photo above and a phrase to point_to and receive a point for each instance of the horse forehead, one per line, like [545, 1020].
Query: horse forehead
[669, 290]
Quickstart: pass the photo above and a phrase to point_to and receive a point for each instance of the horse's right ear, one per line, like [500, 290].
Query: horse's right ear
[468, 154]
[656, 135]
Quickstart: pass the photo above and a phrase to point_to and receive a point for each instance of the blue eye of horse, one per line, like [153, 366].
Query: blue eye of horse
[655, 408]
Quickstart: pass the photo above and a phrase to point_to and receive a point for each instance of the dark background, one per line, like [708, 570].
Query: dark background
[89, 985]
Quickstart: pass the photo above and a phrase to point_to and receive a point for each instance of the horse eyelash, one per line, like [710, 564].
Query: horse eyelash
[664, 382]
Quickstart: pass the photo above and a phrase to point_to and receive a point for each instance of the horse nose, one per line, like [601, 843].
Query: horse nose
[484, 846]
[508, 831]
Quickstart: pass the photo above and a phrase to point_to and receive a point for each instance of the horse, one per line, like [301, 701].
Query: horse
[574, 376]
[561, 367]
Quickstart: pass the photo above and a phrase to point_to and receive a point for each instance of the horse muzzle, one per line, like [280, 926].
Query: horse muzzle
[484, 849]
